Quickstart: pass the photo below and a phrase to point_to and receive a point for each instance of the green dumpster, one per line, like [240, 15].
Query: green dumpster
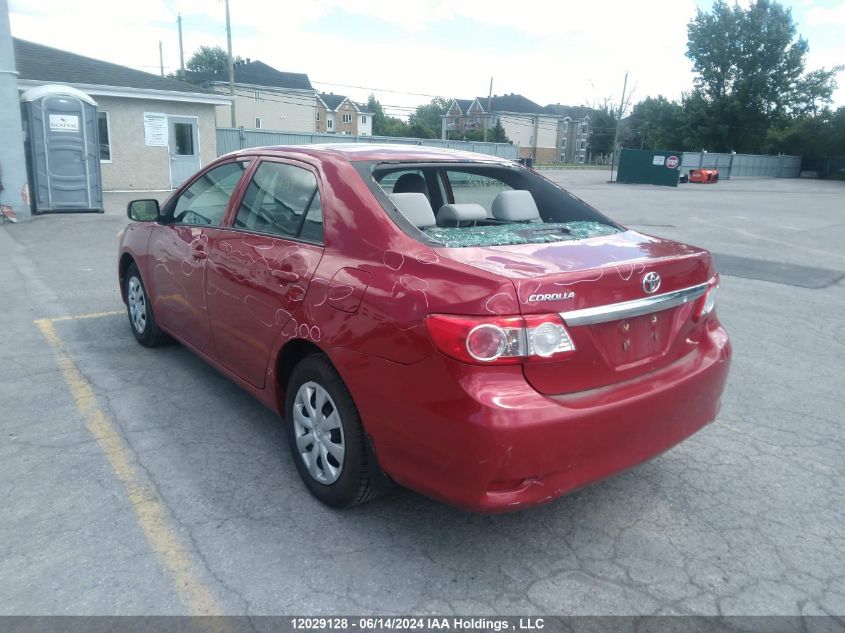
[649, 167]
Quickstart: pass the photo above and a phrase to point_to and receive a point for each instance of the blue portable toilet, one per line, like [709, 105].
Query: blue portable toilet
[62, 150]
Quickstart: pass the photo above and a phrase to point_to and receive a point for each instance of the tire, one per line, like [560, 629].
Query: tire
[334, 461]
[141, 319]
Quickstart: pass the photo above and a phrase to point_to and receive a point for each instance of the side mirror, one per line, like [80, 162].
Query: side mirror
[143, 210]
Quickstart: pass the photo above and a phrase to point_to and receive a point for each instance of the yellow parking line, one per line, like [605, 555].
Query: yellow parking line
[147, 506]
[77, 317]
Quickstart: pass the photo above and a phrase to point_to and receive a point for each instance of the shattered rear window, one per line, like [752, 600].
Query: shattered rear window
[507, 234]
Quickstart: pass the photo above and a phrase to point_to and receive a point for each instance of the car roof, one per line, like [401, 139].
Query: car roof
[375, 152]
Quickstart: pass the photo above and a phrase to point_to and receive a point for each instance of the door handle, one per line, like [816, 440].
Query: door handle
[286, 275]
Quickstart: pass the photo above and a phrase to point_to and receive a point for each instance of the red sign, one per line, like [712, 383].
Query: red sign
[672, 162]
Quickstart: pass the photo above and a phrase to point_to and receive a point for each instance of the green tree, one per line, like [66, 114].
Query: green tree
[498, 134]
[749, 66]
[814, 91]
[602, 130]
[657, 123]
[426, 120]
[210, 59]
[384, 125]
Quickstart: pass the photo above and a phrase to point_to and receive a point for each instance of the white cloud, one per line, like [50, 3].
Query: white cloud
[826, 16]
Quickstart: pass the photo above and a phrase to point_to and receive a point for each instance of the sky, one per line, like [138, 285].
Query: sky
[551, 51]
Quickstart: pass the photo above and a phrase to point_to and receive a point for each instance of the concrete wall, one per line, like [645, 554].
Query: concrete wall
[293, 110]
[134, 165]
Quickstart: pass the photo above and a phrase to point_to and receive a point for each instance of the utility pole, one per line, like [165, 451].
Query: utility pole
[181, 50]
[14, 192]
[161, 57]
[618, 121]
[489, 116]
[231, 64]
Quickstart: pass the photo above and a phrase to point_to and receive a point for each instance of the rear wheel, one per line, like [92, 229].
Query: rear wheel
[326, 436]
[140, 312]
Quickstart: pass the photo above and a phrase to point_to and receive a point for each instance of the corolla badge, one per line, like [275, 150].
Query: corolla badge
[554, 296]
[651, 282]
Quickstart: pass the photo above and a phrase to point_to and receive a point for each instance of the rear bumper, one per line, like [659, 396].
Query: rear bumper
[482, 439]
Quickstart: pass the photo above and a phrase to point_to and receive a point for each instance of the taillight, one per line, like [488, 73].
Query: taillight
[707, 303]
[500, 340]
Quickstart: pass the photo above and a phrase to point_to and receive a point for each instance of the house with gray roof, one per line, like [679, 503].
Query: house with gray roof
[547, 134]
[154, 132]
[338, 114]
[265, 98]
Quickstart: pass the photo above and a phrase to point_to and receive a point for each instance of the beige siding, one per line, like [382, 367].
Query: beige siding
[346, 109]
[286, 110]
[134, 165]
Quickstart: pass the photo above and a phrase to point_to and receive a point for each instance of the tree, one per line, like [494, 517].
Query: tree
[211, 59]
[497, 134]
[384, 125]
[602, 130]
[749, 66]
[814, 91]
[426, 120]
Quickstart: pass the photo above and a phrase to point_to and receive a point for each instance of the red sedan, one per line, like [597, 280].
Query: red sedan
[449, 321]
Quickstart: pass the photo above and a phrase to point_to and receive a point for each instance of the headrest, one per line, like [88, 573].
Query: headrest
[461, 213]
[415, 207]
[515, 206]
[411, 183]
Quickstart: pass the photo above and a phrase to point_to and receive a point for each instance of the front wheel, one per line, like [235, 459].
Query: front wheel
[326, 436]
[140, 312]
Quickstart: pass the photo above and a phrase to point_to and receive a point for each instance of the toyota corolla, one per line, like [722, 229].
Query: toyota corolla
[449, 321]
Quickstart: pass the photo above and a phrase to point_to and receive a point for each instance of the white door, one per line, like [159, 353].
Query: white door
[184, 148]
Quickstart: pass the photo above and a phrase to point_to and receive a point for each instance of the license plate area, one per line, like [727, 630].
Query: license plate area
[634, 340]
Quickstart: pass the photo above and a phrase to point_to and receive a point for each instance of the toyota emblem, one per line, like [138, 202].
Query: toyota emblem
[651, 282]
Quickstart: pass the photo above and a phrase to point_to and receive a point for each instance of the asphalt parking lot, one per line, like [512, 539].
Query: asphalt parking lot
[137, 481]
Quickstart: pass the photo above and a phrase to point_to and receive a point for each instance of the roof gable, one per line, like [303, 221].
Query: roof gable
[256, 73]
[37, 62]
[332, 101]
[573, 112]
[514, 103]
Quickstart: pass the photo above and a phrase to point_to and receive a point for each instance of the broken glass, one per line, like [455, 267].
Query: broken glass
[507, 234]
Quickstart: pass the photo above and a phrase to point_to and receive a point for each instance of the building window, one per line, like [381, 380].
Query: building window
[363, 118]
[257, 96]
[583, 128]
[533, 120]
[105, 142]
[330, 124]
[347, 118]
[584, 144]
[563, 145]
[318, 116]
[258, 123]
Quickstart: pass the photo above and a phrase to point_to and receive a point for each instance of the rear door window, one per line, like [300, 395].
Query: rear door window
[282, 200]
[389, 181]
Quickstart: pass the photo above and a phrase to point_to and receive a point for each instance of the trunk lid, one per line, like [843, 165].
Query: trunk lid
[581, 279]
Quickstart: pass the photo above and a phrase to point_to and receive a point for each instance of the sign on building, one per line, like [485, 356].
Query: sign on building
[155, 129]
